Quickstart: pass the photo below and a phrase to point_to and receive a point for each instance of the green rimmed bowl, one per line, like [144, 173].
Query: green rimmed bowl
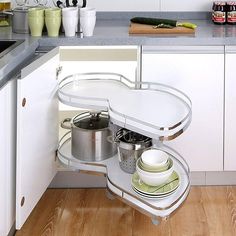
[153, 169]
[153, 178]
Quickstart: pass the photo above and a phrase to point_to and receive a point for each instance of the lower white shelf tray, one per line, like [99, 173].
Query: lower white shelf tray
[119, 182]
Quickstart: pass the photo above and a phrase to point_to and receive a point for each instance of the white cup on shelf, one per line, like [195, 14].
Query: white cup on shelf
[70, 17]
[87, 20]
[87, 11]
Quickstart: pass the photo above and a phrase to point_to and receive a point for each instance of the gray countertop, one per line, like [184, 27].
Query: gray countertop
[113, 32]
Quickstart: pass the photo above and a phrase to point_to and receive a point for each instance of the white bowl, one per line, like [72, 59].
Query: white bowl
[154, 157]
[154, 178]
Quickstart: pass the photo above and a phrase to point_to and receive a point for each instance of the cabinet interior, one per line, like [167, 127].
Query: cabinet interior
[47, 73]
[110, 59]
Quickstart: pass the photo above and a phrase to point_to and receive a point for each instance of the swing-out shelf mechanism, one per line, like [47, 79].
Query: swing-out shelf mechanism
[154, 110]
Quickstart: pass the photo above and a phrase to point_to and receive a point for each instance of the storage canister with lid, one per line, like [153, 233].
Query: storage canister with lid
[231, 13]
[219, 12]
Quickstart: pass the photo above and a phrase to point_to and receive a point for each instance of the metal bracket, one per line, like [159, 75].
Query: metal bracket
[58, 71]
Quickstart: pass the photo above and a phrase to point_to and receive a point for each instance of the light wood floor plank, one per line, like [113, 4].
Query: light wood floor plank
[208, 211]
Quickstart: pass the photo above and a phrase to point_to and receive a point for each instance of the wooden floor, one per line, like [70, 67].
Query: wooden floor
[83, 212]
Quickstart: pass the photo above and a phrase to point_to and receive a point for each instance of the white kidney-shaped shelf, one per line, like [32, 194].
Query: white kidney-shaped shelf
[119, 182]
[155, 110]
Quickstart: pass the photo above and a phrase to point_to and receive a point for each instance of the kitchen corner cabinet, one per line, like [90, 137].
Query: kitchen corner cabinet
[43, 83]
[197, 71]
[7, 156]
[230, 110]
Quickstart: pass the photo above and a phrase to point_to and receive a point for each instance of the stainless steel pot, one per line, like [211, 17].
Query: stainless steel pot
[19, 20]
[89, 136]
[130, 147]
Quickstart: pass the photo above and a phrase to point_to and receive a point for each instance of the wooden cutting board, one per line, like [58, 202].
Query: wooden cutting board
[148, 29]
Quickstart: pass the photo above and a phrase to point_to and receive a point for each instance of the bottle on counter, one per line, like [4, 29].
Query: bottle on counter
[219, 12]
[231, 13]
[4, 19]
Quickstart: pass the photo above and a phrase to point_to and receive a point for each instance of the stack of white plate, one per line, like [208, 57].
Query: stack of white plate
[155, 176]
[155, 192]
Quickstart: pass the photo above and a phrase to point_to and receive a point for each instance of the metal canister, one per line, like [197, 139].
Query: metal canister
[130, 147]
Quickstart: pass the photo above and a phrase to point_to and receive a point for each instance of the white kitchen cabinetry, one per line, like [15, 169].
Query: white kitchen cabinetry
[230, 109]
[37, 132]
[37, 125]
[198, 72]
[7, 156]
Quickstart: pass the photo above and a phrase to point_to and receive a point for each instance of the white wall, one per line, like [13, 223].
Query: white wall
[186, 5]
[151, 5]
[125, 5]
[141, 5]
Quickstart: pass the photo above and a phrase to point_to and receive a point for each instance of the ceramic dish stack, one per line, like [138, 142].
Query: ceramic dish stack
[155, 176]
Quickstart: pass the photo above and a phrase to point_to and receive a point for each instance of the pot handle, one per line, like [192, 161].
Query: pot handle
[8, 12]
[110, 139]
[119, 155]
[63, 123]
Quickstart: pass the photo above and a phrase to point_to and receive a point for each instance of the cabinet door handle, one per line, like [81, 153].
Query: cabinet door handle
[23, 102]
[22, 202]
[58, 71]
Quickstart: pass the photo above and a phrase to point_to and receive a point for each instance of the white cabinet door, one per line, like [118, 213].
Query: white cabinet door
[199, 73]
[7, 156]
[230, 109]
[37, 132]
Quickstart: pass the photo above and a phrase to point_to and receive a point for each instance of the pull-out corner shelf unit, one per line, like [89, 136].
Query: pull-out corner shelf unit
[154, 110]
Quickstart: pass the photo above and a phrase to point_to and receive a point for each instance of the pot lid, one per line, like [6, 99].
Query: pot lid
[91, 120]
[21, 9]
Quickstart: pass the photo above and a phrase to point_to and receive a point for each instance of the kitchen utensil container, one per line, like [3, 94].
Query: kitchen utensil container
[19, 19]
[130, 146]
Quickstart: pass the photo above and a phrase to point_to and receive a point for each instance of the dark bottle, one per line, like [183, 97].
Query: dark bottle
[219, 13]
[231, 13]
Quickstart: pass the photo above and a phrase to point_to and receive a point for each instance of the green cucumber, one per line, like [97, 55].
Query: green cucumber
[153, 21]
[158, 21]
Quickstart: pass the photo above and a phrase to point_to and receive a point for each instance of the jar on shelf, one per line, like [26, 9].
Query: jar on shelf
[231, 13]
[4, 19]
[219, 12]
